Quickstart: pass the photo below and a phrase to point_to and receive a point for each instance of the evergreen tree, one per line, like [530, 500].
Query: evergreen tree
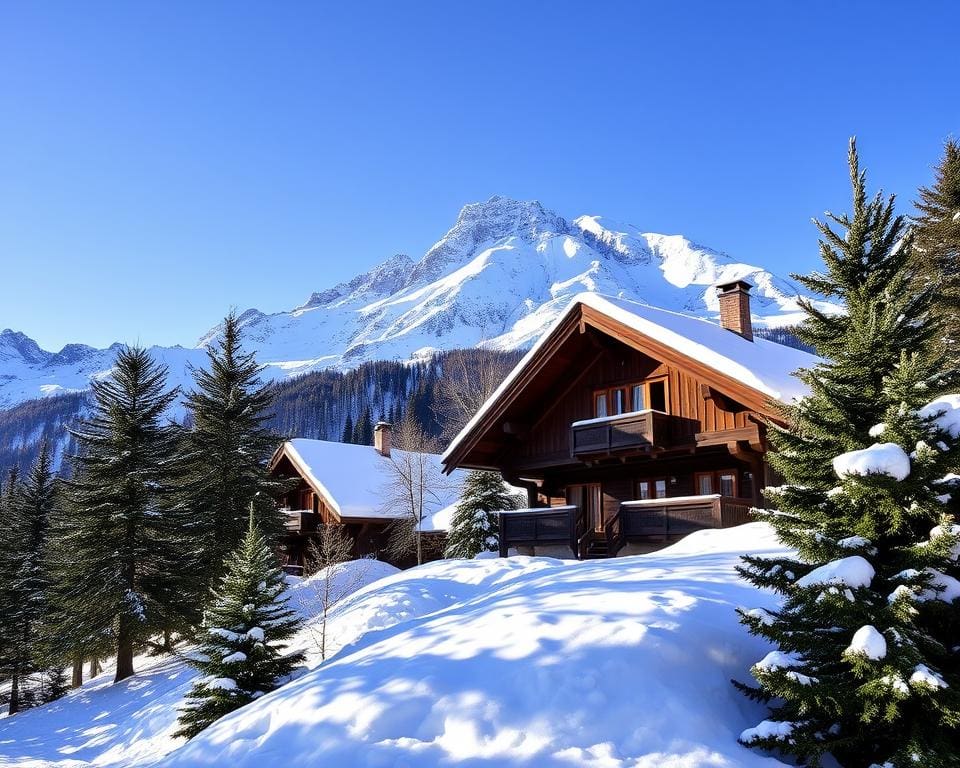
[347, 436]
[53, 684]
[10, 545]
[227, 449]
[246, 627]
[123, 550]
[474, 527]
[866, 668]
[33, 504]
[363, 431]
[938, 239]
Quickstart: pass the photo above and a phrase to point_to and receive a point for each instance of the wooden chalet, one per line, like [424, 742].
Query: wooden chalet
[344, 483]
[631, 425]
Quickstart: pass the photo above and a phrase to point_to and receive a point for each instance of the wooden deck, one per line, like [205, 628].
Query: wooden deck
[648, 520]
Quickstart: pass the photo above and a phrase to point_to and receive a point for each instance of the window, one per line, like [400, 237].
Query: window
[723, 482]
[704, 483]
[600, 404]
[728, 483]
[746, 485]
[636, 397]
[654, 488]
[658, 394]
[618, 400]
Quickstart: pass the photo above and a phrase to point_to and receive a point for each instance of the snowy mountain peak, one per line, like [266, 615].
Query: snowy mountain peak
[497, 278]
[485, 223]
[15, 345]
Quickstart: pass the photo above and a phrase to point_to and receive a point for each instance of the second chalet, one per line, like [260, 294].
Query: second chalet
[631, 426]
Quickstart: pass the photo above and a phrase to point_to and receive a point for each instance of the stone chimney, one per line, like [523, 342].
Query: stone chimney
[735, 307]
[381, 438]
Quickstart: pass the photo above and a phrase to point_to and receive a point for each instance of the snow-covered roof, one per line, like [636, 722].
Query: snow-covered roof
[763, 365]
[352, 478]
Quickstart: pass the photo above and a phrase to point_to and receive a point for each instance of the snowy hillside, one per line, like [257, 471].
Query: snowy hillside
[498, 277]
[525, 661]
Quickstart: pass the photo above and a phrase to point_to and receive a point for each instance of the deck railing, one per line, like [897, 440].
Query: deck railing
[300, 520]
[648, 519]
[537, 527]
[638, 430]
[682, 515]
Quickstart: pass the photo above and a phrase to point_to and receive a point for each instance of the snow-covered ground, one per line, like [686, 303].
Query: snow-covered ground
[130, 723]
[523, 661]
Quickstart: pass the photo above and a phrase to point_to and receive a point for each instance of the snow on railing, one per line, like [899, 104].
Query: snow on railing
[616, 417]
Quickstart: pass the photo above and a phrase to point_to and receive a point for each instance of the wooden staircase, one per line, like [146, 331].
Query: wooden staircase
[596, 547]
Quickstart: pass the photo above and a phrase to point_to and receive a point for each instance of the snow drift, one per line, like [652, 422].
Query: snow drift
[528, 661]
[494, 662]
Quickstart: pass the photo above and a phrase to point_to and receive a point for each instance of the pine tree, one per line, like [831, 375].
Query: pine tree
[246, 627]
[10, 546]
[122, 548]
[938, 240]
[474, 527]
[226, 450]
[866, 668]
[33, 504]
[363, 430]
[347, 436]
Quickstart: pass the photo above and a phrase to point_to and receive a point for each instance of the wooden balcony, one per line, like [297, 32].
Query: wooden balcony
[628, 432]
[300, 520]
[538, 527]
[637, 521]
[679, 516]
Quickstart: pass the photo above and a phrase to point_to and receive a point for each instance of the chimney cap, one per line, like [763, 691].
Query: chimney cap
[733, 285]
[382, 425]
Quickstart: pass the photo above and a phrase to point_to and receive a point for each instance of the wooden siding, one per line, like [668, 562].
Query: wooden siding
[548, 437]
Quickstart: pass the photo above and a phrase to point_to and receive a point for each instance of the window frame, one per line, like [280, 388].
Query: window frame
[608, 394]
[715, 475]
[651, 485]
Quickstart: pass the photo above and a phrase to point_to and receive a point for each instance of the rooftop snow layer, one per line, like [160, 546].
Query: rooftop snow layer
[353, 479]
[764, 365]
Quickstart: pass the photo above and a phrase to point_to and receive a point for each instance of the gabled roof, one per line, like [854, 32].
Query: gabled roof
[351, 479]
[759, 371]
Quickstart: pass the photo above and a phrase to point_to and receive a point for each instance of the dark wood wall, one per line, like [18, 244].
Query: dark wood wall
[549, 433]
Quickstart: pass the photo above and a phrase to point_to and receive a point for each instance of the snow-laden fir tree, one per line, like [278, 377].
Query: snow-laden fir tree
[473, 528]
[32, 504]
[867, 663]
[245, 628]
[227, 447]
[938, 239]
[9, 564]
[123, 553]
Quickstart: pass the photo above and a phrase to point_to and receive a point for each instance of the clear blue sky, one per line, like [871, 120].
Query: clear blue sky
[162, 161]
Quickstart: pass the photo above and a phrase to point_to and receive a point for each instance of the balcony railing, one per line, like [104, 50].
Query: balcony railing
[300, 520]
[636, 431]
[645, 520]
[680, 516]
[537, 527]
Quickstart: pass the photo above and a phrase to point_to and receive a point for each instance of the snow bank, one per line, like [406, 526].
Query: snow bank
[131, 723]
[508, 662]
[850, 572]
[880, 458]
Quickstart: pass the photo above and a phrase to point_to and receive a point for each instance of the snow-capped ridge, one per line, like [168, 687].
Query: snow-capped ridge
[497, 278]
